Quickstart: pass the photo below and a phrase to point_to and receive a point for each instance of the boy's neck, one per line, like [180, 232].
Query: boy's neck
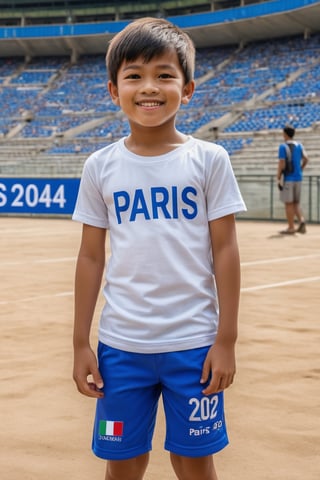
[153, 143]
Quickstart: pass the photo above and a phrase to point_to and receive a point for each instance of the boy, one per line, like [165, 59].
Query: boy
[168, 201]
[292, 161]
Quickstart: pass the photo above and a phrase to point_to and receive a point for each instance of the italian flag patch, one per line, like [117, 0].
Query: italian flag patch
[107, 427]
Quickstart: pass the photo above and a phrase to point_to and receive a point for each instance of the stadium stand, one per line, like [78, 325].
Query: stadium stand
[22, 12]
[55, 110]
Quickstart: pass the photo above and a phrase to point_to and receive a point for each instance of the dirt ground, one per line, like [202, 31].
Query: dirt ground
[273, 409]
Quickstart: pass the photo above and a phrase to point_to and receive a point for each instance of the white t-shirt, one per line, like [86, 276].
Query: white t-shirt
[160, 290]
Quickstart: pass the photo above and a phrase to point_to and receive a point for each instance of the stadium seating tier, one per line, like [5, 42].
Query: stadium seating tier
[62, 109]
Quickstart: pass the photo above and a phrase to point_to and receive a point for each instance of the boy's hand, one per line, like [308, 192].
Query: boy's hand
[85, 365]
[220, 367]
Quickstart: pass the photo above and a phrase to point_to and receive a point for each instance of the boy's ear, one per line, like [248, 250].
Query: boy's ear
[113, 91]
[188, 91]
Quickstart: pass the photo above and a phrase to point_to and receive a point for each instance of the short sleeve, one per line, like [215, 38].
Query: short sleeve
[90, 206]
[221, 187]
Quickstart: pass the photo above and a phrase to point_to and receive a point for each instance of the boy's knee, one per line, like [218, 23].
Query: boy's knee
[188, 468]
[131, 469]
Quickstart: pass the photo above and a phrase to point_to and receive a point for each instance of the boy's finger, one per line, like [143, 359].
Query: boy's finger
[97, 379]
[213, 386]
[205, 372]
[89, 388]
[218, 384]
[94, 391]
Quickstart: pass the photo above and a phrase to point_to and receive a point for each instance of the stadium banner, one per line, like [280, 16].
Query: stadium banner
[49, 196]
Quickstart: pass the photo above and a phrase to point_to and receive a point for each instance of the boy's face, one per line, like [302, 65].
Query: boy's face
[150, 94]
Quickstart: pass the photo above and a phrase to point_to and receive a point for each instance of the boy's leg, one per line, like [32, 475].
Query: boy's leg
[125, 416]
[132, 469]
[188, 468]
[195, 423]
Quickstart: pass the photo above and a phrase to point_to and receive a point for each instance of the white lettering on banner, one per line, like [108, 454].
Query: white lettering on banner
[31, 195]
[3, 196]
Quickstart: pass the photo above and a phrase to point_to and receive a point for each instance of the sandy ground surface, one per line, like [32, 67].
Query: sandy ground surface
[273, 409]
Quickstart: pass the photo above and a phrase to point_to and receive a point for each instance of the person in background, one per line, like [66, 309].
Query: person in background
[292, 161]
[169, 324]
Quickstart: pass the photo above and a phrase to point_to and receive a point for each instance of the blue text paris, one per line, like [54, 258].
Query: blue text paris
[156, 202]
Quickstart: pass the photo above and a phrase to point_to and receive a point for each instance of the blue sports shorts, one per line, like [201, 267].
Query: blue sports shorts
[133, 382]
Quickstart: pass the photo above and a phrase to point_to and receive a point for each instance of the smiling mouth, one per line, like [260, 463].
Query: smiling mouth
[149, 104]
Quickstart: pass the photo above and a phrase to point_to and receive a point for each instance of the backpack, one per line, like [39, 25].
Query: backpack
[289, 168]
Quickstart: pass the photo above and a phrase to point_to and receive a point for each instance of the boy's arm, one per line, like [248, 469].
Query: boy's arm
[89, 271]
[220, 361]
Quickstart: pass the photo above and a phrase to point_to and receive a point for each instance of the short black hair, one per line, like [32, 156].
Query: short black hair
[289, 130]
[149, 37]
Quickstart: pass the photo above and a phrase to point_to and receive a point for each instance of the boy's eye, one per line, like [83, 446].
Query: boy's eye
[133, 76]
[165, 75]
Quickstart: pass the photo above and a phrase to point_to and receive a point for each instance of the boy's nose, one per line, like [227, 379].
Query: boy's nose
[149, 88]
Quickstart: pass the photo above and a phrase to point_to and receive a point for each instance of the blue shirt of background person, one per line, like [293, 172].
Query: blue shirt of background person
[297, 154]
[292, 161]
